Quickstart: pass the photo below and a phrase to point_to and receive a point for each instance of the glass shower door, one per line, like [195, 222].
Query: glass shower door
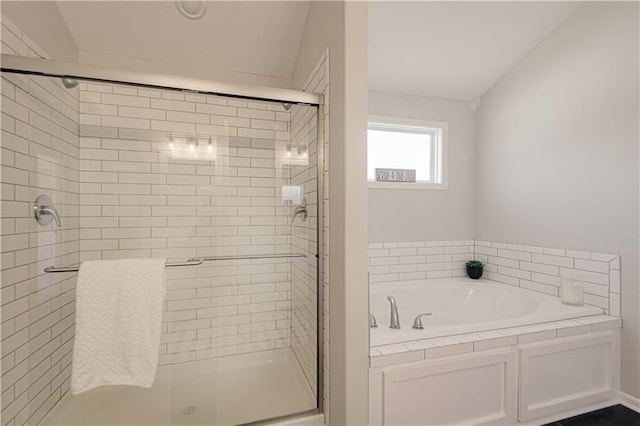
[150, 173]
[255, 295]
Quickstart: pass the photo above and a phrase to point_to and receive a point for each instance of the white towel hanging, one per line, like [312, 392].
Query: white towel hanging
[118, 323]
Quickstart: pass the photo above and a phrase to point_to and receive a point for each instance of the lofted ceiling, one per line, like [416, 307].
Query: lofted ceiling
[455, 50]
[254, 37]
[449, 49]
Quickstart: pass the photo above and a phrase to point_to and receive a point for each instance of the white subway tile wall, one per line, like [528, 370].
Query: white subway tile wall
[534, 268]
[146, 193]
[318, 82]
[304, 309]
[541, 269]
[401, 261]
[39, 156]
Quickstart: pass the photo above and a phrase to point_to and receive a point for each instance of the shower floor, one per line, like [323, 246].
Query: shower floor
[224, 391]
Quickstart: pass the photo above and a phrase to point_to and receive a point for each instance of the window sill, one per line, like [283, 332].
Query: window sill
[406, 185]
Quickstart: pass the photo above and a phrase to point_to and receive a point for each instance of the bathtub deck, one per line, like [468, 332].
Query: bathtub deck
[457, 344]
[224, 391]
[464, 306]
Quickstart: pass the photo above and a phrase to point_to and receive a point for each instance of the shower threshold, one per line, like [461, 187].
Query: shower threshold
[223, 391]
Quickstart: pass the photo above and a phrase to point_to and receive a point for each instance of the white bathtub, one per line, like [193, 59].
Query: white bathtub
[462, 305]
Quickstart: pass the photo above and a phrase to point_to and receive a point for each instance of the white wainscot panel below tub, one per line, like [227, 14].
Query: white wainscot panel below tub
[528, 383]
[478, 389]
[567, 373]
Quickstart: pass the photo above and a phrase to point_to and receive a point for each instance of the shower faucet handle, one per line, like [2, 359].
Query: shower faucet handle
[300, 210]
[44, 211]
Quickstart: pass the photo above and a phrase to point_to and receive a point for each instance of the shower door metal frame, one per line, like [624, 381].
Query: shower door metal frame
[320, 257]
[50, 68]
[77, 71]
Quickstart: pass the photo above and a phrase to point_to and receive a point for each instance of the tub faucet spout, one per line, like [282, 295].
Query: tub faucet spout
[395, 319]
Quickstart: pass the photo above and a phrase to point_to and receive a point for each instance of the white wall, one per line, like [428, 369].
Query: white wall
[341, 26]
[557, 153]
[42, 21]
[46, 27]
[427, 215]
[183, 70]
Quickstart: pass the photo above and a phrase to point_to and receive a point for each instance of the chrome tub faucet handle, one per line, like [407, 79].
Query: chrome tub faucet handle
[417, 323]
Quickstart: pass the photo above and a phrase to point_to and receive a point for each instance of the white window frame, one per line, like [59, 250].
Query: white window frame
[439, 129]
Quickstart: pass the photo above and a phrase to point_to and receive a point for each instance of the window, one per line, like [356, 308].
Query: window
[412, 145]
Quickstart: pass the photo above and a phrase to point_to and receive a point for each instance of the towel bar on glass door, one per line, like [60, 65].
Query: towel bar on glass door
[190, 262]
[250, 257]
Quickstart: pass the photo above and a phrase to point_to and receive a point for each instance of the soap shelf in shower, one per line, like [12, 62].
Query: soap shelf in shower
[190, 262]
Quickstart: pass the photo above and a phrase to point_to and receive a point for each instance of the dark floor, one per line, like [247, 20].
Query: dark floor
[610, 416]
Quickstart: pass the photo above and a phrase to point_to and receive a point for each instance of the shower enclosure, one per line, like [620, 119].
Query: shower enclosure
[223, 182]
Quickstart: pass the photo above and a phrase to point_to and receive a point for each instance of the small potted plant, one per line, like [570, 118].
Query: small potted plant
[475, 269]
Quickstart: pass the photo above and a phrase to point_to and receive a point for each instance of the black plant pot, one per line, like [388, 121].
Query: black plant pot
[474, 272]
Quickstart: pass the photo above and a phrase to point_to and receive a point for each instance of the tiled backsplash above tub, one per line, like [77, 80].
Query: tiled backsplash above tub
[534, 268]
[403, 261]
[541, 268]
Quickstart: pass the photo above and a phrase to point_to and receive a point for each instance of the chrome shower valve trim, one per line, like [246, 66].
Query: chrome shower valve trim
[45, 211]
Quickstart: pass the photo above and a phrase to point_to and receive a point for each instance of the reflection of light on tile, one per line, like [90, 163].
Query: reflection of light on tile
[292, 155]
[193, 148]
